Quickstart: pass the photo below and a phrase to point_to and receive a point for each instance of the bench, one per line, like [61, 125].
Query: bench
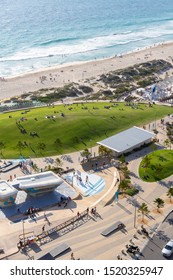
[55, 252]
[117, 226]
[9, 167]
[59, 250]
[3, 166]
[47, 256]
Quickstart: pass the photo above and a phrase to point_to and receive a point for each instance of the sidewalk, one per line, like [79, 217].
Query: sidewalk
[86, 241]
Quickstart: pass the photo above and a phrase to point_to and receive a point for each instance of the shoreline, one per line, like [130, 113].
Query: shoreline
[79, 63]
[79, 72]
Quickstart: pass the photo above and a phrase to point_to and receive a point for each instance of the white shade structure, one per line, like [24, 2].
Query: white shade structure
[37, 184]
[7, 194]
[127, 140]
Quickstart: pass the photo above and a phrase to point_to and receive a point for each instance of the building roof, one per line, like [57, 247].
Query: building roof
[126, 139]
[6, 189]
[38, 181]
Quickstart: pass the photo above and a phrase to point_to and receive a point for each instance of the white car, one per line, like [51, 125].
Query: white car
[168, 249]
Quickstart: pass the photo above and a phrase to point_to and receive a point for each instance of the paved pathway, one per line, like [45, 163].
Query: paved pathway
[86, 241]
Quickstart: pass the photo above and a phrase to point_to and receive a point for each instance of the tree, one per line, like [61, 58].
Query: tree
[170, 193]
[124, 185]
[126, 172]
[104, 151]
[159, 203]
[143, 209]
[122, 159]
[167, 143]
[86, 154]
[35, 167]
[58, 162]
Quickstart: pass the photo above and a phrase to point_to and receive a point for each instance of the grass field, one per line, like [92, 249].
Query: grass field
[158, 166]
[80, 128]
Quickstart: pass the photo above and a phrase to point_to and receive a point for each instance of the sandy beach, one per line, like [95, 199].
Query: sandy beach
[80, 72]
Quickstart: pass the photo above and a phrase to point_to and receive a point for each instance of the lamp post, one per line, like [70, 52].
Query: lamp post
[23, 232]
[135, 217]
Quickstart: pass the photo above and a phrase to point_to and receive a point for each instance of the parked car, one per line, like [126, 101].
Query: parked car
[168, 249]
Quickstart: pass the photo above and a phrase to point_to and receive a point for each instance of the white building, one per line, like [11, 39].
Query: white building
[38, 184]
[7, 194]
[128, 140]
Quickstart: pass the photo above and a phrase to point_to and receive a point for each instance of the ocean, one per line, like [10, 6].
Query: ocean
[36, 34]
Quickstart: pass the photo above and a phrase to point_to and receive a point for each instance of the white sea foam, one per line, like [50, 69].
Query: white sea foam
[39, 34]
[92, 44]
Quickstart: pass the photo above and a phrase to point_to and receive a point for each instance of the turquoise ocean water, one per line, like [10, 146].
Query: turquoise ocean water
[35, 34]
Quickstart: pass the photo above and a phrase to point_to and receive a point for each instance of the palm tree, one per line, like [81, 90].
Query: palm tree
[143, 209]
[170, 193]
[126, 172]
[35, 167]
[58, 162]
[159, 203]
[124, 185]
[86, 154]
[104, 151]
[167, 143]
[122, 159]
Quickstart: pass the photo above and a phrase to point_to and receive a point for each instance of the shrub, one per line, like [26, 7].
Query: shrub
[132, 191]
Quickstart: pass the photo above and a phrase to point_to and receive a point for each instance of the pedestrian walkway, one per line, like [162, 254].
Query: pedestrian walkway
[87, 242]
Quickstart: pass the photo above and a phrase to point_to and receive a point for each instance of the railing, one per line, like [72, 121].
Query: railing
[63, 225]
[24, 241]
[27, 235]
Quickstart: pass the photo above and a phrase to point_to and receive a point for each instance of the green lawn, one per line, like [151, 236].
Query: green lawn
[157, 167]
[77, 130]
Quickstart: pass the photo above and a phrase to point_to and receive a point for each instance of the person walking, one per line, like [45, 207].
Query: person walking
[43, 228]
[72, 256]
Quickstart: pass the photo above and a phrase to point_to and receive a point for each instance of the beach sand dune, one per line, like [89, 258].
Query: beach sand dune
[79, 72]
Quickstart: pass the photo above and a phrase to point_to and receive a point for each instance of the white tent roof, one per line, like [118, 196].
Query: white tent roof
[39, 180]
[126, 139]
[6, 190]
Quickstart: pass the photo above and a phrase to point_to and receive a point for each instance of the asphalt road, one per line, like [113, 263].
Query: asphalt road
[153, 249]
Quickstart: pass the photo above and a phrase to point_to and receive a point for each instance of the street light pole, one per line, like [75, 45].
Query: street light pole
[135, 217]
[23, 232]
